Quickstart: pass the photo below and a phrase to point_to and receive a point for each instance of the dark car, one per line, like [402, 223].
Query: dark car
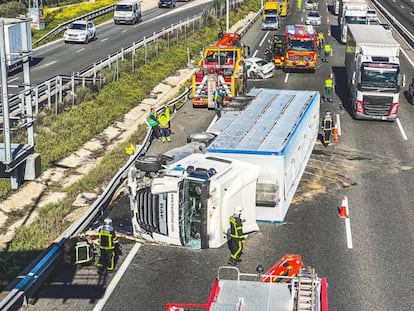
[410, 93]
[167, 3]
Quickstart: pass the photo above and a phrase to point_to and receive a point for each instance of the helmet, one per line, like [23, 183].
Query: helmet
[108, 221]
[238, 209]
[82, 236]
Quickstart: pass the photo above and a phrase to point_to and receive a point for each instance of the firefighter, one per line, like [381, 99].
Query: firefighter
[327, 127]
[153, 123]
[163, 121]
[107, 243]
[326, 52]
[218, 97]
[328, 89]
[235, 237]
[315, 5]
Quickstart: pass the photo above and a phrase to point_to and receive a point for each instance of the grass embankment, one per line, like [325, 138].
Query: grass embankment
[59, 136]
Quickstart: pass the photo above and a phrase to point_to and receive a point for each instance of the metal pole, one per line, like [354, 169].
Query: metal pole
[25, 30]
[5, 96]
[227, 15]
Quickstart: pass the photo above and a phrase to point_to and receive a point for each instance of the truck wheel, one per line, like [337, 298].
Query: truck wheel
[148, 164]
[205, 138]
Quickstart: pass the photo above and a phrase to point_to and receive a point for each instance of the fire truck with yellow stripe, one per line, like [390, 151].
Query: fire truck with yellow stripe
[222, 66]
[301, 50]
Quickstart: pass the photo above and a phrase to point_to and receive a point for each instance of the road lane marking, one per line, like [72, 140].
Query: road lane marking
[348, 232]
[287, 77]
[402, 7]
[264, 38]
[255, 53]
[111, 287]
[103, 40]
[401, 129]
[125, 30]
[14, 79]
[78, 51]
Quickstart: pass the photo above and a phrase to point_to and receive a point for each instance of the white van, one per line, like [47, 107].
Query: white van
[127, 12]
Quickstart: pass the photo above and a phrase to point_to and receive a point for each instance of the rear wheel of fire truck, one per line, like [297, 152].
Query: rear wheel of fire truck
[148, 164]
[205, 138]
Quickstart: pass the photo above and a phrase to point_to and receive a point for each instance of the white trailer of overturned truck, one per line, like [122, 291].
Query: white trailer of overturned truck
[255, 158]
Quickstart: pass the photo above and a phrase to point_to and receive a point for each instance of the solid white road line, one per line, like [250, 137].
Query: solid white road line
[264, 38]
[287, 77]
[338, 124]
[348, 232]
[104, 39]
[14, 79]
[255, 53]
[401, 129]
[125, 30]
[117, 278]
[78, 51]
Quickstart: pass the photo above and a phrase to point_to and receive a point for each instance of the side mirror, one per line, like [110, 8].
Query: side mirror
[353, 77]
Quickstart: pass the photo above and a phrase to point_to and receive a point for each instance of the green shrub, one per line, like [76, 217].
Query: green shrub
[12, 9]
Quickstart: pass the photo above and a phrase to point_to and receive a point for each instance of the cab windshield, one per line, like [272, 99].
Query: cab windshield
[355, 20]
[379, 75]
[123, 7]
[301, 46]
[193, 212]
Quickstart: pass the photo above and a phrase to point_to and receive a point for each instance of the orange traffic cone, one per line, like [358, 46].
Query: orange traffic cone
[335, 135]
[343, 210]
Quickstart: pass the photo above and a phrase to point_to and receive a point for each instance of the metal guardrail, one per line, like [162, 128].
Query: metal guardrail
[404, 32]
[91, 15]
[30, 282]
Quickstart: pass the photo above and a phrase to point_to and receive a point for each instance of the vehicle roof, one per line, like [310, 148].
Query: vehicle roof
[314, 12]
[363, 34]
[81, 21]
[266, 125]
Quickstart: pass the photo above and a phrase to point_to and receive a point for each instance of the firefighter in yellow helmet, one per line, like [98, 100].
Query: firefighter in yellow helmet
[327, 127]
[107, 244]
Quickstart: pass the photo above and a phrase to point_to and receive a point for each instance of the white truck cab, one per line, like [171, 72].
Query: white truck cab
[127, 12]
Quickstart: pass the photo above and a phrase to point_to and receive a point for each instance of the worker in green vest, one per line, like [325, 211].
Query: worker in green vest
[153, 123]
[328, 89]
[327, 52]
[321, 40]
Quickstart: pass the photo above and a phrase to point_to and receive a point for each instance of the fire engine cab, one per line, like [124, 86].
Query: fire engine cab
[222, 66]
[301, 47]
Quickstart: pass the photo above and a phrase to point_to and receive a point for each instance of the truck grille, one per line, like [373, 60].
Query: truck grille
[377, 105]
[148, 211]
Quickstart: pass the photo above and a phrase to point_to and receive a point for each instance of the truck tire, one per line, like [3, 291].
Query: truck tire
[148, 164]
[204, 137]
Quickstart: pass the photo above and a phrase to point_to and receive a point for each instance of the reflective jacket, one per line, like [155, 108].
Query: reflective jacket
[327, 123]
[327, 48]
[106, 236]
[236, 228]
[163, 119]
[329, 83]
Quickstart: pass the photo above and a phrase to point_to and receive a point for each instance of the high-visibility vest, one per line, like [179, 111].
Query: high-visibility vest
[82, 252]
[320, 36]
[327, 48]
[327, 123]
[236, 228]
[106, 239]
[329, 83]
[163, 119]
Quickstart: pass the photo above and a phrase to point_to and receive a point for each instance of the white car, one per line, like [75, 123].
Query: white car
[258, 68]
[309, 5]
[271, 22]
[80, 31]
[313, 18]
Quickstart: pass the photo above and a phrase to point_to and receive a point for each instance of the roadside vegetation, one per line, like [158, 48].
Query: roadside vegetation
[58, 136]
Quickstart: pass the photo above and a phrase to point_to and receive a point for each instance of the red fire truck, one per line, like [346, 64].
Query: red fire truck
[301, 49]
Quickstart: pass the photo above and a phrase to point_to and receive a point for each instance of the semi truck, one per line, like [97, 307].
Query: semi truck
[254, 158]
[18, 41]
[373, 72]
[351, 12]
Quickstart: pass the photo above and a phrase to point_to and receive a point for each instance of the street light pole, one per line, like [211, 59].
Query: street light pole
[227, 15]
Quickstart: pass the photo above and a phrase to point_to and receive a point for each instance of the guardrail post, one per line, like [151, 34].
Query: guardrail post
[49, 99]
[133, 48]
[122, 54]
[36, 100]
[109, 61]
[60, 89]
[177, 35]
[145, 50]
[72, 84]
[94, 74]
[83, 81]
